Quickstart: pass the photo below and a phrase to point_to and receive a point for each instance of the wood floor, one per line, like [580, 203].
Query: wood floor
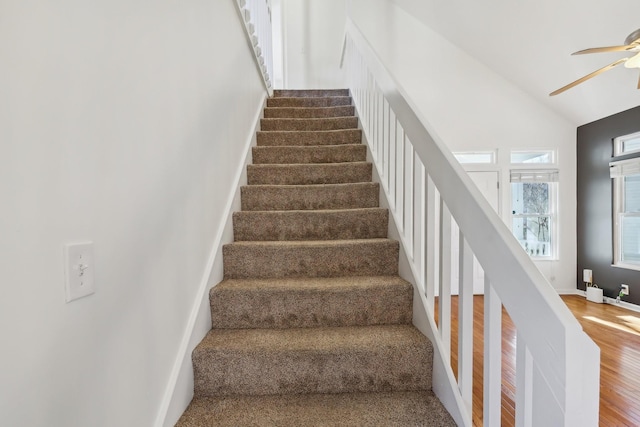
[615, 330]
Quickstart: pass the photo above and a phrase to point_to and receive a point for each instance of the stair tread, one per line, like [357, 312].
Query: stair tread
[311, 302]
[309, 212]
[311, 283]
[312, 124]
[308, 132]
[312, 360]
[308, 165]
[314, 101]
[296, 154]
[314, 243]
[308, 119]
[330, 224]
[321, 410]
[336, 186]
[309, 196]
[308, 137]
[303, 112]
[309, 93]
[332, 107]
[322, 339]
[309, 173]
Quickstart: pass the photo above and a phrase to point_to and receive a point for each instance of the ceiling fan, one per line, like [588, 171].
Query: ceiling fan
[631, 44]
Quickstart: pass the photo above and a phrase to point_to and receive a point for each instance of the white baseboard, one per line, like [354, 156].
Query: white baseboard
[179, 390]
[571, 292]
[608, 300]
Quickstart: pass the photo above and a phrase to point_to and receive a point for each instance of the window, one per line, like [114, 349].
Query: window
[532, 156]
[626, 212]
[626, 144]
[475, 157]
[533, 211]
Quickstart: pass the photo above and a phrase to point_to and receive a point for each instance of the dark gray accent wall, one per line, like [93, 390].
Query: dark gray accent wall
[594, 217]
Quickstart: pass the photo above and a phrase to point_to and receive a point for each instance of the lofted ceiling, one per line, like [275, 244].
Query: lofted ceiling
[529, 43]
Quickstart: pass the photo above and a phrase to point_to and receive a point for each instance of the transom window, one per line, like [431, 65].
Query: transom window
[626, 144]
[475, 157]
[532, 156]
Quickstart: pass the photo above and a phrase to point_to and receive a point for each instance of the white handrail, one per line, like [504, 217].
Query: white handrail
[256, 17]
[558, 364]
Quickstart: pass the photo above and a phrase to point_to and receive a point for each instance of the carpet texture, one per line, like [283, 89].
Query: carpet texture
[312, 324]
[324, 173]
[316, 154]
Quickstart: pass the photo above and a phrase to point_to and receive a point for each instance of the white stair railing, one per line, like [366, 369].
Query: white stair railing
[557, 364]
[256, 16]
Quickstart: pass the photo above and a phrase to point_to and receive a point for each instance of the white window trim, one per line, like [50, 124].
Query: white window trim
[539, 169]
[618, 144]
[553, 154]
[492, 153]
[618, 170]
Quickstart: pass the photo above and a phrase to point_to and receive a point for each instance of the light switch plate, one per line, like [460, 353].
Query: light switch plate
[79, 270]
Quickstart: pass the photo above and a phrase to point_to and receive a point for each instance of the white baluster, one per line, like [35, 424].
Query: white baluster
[431, 242]
[393, 142]
[418, 219]
[444, 298]
[400, 177]
[524, 384]
[492, 376]
[465, 322]
[409, 195]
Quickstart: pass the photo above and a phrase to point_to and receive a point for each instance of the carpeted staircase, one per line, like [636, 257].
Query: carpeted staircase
[312, 324]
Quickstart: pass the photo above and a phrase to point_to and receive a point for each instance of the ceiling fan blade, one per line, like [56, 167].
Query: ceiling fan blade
[606, 49]
[589, 76]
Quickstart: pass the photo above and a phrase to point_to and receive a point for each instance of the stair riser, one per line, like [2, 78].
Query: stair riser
[302, 197]
[249, 372]
[365, 258]
[309, 102]
[312, 225]
[307, 308]
[338, 173]
[307, 113]
[325, 154]
[334, 123]
[309, 93]
[306, 138]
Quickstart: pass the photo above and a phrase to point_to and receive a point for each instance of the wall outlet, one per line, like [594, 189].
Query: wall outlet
[625, 289]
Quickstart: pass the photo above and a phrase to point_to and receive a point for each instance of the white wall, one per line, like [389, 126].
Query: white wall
[313, 33]
[473, 108]
[121, 122]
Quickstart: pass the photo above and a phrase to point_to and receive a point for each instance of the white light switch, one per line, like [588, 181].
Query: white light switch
[79, 270]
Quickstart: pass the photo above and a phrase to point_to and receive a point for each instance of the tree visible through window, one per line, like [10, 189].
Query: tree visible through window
[531, 217]
[532, 211]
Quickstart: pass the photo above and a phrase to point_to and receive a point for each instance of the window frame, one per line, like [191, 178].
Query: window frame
[490, 153]
[528, 165]
[618, 144]
[618, 171]
[552, 214]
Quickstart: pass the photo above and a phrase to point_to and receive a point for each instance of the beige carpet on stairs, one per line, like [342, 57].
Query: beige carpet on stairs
[312, 324]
